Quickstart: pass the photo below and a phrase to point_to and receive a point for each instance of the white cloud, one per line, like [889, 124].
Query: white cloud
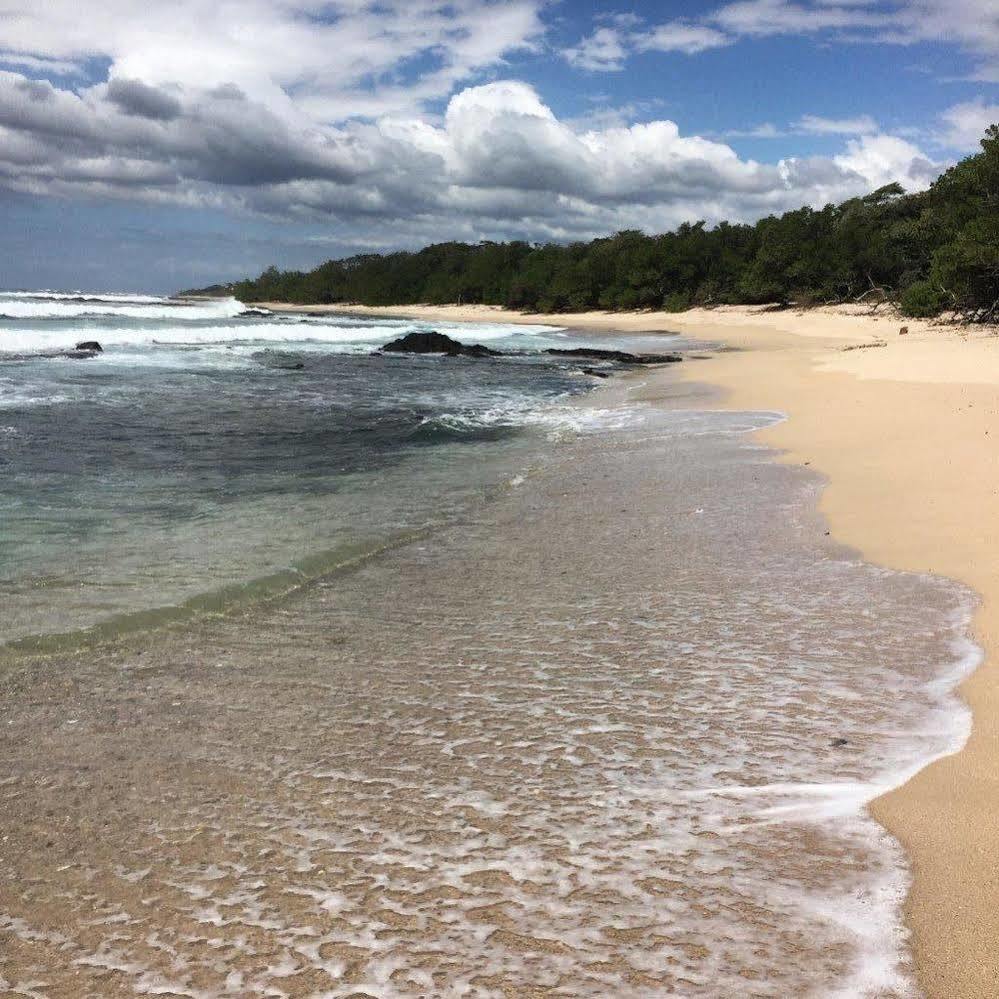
[609, 47]
[973, 25]
[680, 36]
[766, 130]
[781, 17]
[338, 57]
[816, 125]
[603, 51]
[882, 159]
[965, 124]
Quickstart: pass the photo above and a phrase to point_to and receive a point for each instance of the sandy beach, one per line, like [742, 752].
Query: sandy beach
[575, 692]
[903, 427]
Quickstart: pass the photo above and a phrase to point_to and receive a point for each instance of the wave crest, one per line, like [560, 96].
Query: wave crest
[57, 305]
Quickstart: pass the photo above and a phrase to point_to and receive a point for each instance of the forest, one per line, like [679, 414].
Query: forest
[932, 251]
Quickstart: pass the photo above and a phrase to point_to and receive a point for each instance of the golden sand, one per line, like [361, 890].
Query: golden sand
[907, 433]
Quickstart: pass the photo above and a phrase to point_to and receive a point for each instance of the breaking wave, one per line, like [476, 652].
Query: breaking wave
[56, 305]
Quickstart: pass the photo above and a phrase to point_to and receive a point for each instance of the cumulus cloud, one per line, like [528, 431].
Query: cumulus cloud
[318, 110]
[965, 124]
[882, 159]
[498, 163]
[137, 98]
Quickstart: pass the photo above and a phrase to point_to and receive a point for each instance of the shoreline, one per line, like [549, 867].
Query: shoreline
[904, 436]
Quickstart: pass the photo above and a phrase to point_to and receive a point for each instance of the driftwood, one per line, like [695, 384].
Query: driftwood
[865, 346]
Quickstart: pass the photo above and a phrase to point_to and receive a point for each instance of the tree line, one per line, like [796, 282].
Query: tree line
[928, 252]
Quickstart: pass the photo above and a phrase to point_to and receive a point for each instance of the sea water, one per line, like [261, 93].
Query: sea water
[210, 451]
[607, 727]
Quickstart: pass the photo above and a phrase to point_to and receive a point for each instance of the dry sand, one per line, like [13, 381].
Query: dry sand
[908, 435]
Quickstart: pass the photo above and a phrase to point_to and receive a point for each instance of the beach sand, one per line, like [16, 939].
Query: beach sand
[906, 433]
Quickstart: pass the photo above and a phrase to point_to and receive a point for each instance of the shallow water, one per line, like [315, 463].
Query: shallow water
[607, 731]
[210, 456]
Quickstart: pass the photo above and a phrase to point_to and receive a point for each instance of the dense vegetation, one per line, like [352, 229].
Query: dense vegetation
[935, 250]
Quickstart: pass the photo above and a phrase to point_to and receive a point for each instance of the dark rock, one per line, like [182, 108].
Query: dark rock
[75, 355]
[839, 743]
[903, 331]
[279, 360]
[619, 356]
[433, 342]
[478, 350]
[90, 345]
[596, 372]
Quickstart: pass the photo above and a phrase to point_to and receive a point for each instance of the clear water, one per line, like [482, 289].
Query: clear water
[191, 463]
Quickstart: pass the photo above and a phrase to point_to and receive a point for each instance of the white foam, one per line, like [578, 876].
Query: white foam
[300, 336]
[558, 418]
[14, 396]
[121, 308]
[59, 296]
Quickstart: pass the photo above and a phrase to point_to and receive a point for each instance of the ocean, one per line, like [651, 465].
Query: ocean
[159, 478]
[435, 676]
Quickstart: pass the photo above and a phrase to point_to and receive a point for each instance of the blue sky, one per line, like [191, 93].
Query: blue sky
[162, 146]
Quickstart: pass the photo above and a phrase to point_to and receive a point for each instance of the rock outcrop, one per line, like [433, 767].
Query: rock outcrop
[432, 342]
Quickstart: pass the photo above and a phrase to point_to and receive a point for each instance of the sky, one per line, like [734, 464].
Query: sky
[154, 146]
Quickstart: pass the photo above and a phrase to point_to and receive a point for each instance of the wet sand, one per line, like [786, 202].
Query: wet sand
[907, 435]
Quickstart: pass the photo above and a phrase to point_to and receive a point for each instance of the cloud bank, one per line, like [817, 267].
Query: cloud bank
[499, 160]
[300, 110]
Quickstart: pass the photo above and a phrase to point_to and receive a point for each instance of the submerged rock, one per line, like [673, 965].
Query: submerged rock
[91, 346]
[596, 372]
[433, 342]
[614, 355]
[280, 360]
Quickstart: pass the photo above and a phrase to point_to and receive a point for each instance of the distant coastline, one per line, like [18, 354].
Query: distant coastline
[848, 322]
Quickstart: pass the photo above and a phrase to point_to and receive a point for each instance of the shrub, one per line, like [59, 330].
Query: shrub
[922, 299]
[677, 301]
